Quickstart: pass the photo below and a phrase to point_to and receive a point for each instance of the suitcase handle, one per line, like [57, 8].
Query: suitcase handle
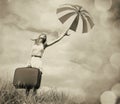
[29, 66]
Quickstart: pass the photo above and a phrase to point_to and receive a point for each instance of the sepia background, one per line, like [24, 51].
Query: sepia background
[82, 64]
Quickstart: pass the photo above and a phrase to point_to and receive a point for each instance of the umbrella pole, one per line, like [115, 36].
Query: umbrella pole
[66, 33]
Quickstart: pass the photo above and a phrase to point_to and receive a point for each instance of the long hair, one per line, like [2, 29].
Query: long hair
[43, 36]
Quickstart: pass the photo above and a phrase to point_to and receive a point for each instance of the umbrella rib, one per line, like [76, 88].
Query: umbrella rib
[75, 23]
[86, 14]
[63, 9]
[85, 27]
[66, 17]
[89, 20]
[84, 11]
[75, 6]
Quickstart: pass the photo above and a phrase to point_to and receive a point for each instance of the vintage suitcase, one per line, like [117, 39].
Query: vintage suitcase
[27, 78]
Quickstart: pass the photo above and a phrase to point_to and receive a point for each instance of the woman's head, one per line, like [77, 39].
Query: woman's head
[42, 38]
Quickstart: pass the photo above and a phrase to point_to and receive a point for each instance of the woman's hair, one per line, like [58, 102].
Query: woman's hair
[42, 36]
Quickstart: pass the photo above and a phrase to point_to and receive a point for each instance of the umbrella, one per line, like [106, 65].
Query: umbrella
[66, 11]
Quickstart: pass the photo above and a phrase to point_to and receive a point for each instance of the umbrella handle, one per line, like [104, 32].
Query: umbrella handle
[66, 33]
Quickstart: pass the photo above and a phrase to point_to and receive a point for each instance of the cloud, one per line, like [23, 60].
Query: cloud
[115, 12]
[4, 8]
[87, 62]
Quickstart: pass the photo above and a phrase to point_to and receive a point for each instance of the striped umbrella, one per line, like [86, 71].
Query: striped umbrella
[80, 17]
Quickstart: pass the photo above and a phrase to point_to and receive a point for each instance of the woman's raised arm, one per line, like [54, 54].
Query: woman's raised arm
[57, 40]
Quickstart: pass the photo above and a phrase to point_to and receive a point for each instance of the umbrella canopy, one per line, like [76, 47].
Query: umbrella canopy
[66, 11]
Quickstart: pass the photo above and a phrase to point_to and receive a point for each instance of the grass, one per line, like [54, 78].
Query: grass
[10, 95]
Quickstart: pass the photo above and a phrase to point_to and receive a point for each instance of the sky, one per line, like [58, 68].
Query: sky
[80, 63]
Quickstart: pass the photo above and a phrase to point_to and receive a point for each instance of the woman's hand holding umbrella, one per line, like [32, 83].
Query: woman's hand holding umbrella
[66, 33]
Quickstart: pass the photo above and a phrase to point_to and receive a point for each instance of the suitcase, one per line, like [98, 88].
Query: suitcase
[27, 78]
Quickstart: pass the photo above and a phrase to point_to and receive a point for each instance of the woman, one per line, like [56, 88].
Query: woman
[40, 44]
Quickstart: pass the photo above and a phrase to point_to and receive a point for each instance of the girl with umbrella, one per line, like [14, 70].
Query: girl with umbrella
[40, 44]
[66, 11]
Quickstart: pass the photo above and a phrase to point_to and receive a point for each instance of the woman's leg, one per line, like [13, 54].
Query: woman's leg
[34, 91]
[27, 91]
[36, 62]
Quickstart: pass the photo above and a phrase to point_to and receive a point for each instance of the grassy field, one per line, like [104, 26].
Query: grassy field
[9, 95]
